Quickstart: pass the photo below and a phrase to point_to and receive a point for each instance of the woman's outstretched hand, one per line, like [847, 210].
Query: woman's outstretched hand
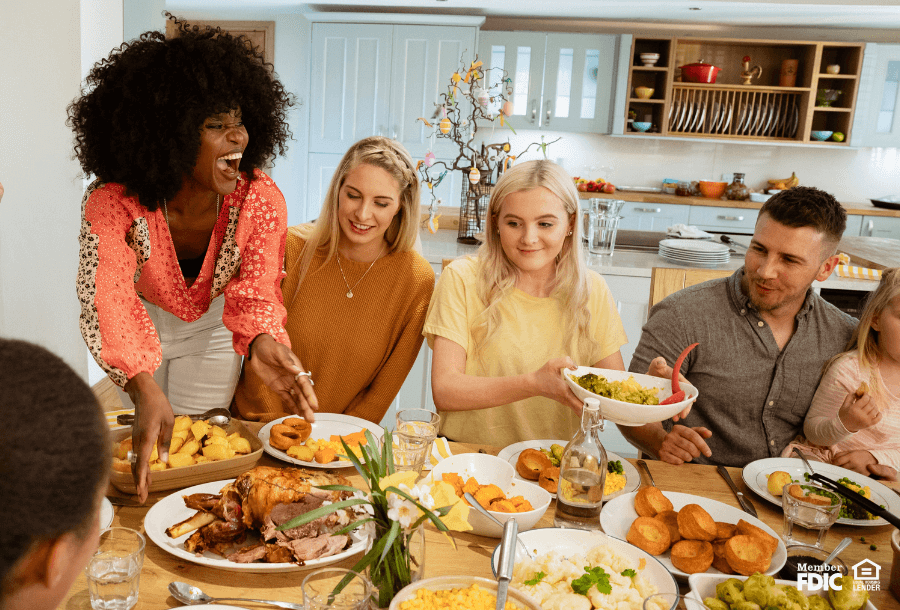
[550, 384]
[153, 421]
[279, 368]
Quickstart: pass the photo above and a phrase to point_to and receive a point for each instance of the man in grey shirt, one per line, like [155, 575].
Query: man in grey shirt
[763, 337]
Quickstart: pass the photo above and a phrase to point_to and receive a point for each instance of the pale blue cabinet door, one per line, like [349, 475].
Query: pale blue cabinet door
[424, 59]
[349, 84]
[578, 83]
[320, 169]
[638, 216]
[881, 125]
[881, 226]
[521, 54]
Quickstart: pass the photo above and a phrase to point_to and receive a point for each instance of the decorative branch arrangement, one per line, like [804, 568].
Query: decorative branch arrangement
[470, 99]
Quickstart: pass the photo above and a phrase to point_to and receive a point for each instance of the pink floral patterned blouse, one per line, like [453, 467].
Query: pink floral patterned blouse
[127, 253]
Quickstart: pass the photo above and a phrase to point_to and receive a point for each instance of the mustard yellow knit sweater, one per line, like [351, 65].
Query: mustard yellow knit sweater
[359, 350]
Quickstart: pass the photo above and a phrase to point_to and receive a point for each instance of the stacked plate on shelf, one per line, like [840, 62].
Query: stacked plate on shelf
[694, 252]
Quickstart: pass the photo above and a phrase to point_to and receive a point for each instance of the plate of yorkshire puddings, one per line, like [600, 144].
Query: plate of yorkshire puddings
[692, 535]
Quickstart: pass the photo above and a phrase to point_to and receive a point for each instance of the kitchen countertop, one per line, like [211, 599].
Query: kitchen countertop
[443, 245]
[865, 209]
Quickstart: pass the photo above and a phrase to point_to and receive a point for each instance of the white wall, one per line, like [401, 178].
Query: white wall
[39, 216]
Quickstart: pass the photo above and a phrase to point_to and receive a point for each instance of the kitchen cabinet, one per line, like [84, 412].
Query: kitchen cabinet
[879, 226]
[854, 224]
[879, 123]
[730, 110]
[724, 220]
[560, 82]
[379, 78]
[637, 216]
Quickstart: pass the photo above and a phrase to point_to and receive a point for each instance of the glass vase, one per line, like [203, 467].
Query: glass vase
[403, 565]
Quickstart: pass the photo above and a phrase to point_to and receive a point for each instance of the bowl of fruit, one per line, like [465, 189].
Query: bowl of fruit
[594, 186]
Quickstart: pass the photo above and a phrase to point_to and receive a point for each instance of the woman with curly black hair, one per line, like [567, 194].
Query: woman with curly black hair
[183, 235]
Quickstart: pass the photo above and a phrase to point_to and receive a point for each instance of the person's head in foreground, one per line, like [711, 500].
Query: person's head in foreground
[193, 110]
[54, 464]
[372, 204]
[794, 243]
[877, 336]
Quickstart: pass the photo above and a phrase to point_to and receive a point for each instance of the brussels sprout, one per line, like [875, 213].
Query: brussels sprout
[557, 451]
[795, 599]
[760, 589]
[817, 602]
[847, 597]
[715, 604]
[730, 591]
[745, 605]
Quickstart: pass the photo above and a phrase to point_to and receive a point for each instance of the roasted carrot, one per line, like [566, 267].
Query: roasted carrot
[677, 393]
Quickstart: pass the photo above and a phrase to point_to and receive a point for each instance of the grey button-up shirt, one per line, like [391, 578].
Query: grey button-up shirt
[753, 395]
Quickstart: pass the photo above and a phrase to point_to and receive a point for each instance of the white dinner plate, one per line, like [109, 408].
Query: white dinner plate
[568, 542]
[754, 475]
[618, 515]
[510, 453]
[325, 425]
[701, 247]
[171, 510]
[106, 514]
[728, 114]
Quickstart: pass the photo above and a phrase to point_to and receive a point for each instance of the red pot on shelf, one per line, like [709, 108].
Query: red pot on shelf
[699, 73]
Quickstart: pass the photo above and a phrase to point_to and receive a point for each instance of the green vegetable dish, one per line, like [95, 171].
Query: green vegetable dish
[555, 454]
[623, 391]
[759, 592]
[849, 510]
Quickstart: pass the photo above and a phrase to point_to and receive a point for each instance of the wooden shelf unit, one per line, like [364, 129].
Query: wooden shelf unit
[728, 109]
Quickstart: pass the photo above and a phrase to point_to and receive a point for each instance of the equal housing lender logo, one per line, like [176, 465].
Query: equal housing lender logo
[814, 577]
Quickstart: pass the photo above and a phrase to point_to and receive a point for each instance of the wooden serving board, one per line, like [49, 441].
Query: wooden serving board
[872, 252]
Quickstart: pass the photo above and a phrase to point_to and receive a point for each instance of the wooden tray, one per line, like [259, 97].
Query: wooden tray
[175, 478]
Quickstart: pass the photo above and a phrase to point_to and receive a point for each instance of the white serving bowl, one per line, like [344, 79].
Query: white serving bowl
[759, 197]
[489, 469]
[628, 413]
[704, 585]
[443, 583]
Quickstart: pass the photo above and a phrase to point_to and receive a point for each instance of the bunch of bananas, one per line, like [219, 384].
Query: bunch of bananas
[785, 183]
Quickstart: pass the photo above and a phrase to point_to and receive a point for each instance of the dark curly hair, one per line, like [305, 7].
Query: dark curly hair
[807, 206]
[55, 453]
[139, 117]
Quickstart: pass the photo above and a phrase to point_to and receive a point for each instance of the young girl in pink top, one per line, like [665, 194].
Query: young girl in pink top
[856, 427]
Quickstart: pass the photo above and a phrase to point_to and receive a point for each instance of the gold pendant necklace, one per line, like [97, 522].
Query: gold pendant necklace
[349, 289]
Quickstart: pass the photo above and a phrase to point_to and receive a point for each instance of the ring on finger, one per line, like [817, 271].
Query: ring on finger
[307, 374]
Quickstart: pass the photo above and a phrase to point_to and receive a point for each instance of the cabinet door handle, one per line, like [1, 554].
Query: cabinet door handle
[548, 113]
[738, 218]
[649, 210]
[871, 228]
[533, 110]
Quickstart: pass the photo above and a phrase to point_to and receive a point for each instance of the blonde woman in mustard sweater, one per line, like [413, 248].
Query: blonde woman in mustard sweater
[504, 324]
[356, 291]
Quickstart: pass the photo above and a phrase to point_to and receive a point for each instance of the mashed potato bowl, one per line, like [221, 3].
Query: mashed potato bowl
[445, 583]
[487, 470]
[628, 413]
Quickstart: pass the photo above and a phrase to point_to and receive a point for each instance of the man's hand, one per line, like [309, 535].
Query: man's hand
[659, 368]
[859, 413]
[550, 384]
[882, 471]
[279, 368]
[857, 461]
[153, 421]
[683, 444]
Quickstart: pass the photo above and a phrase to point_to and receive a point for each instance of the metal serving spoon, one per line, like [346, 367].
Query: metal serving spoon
[218, 416]
[190, 595]
[840, 547]
[474, 503]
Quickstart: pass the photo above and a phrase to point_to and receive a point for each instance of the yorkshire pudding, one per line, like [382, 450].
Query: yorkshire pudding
[530, 464]
[719, 561]
[670, 518]
[769, 542]
[303, 427]
[692, 556]
[649, 501]
[724, 531]
[649, 534]
[746, 555]
[549, 479]
[694, 523]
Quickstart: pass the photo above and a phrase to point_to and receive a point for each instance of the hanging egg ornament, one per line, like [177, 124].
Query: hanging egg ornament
[506, 147]
[445, 125]
[474, 175]
[429, 159]
[482, 96]
[508, 108]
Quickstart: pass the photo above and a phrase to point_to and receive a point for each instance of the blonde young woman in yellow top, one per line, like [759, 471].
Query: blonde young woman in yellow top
[504, 324]
[356, 291]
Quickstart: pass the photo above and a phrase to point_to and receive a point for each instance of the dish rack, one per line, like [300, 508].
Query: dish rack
[747, 113]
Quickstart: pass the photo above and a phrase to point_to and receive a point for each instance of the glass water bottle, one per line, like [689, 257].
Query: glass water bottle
[582, 474]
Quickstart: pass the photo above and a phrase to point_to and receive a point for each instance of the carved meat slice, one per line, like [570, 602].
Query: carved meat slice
[325, 545]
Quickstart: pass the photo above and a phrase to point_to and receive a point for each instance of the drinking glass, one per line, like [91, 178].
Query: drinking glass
[670, 601]
[318, 590]
[410, 452]
[602, 238]
[807, 513]
[114, 572]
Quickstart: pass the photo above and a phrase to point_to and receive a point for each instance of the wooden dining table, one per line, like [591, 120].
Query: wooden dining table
[471, 555]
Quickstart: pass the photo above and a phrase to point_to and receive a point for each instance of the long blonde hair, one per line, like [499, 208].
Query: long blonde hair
[497, 275]
[325, 233]
[864, 341]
